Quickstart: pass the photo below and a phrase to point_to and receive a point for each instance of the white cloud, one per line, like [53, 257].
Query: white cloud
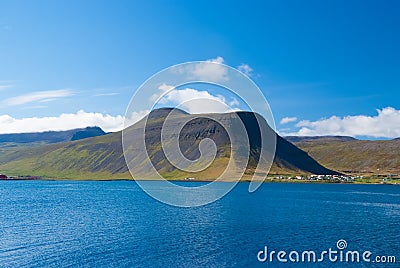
[218, 59]
[135, 117]
[386, 124]
[208, 72]
[203, 71]
[38, 96]
[196, 101]
[200, 101]
[106, 94]
[34, 107]
[234, 102]
[80, 119]
[163, 89]
[287, 120]
[5, 86]
[245, 68]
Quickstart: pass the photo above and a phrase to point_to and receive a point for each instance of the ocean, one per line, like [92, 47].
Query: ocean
[116, 224]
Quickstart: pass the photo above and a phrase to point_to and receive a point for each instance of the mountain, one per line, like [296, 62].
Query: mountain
[87, 133]
[52, 136]
[295, 139]
[102, 157]
[355, 156]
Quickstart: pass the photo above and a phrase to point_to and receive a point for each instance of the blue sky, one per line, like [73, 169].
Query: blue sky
[326, 67]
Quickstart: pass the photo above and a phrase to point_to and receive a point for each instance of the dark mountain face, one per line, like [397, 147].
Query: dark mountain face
[291, 156]
[104, 154]
[87, 133]
[52, 136]
[287, 155]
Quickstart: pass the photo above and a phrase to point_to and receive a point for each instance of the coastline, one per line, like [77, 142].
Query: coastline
[207, 181]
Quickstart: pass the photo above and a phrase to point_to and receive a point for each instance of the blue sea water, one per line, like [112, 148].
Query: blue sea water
[116, 224]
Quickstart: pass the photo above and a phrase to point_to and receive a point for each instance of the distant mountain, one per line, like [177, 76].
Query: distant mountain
[102, 157]
[87, 133]
[319, 138]
[52, 136]
[355, 156]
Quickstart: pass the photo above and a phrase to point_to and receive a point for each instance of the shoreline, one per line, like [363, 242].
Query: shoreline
[206, 181]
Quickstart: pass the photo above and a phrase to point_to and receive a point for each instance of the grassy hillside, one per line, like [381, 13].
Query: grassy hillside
[355, 156]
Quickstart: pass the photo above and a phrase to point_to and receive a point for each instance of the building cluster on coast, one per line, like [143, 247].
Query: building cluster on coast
[5, 177]
[384, 179]
[326, 178]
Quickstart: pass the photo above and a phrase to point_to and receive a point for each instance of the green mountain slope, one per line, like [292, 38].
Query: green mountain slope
[102, 157]
[355, 156]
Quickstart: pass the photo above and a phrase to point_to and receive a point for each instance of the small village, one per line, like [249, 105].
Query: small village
[28, 177]
[383, 179]
[326, 178]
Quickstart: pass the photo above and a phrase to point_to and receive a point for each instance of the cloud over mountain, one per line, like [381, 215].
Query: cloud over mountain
[386, 124]
[65, 121]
